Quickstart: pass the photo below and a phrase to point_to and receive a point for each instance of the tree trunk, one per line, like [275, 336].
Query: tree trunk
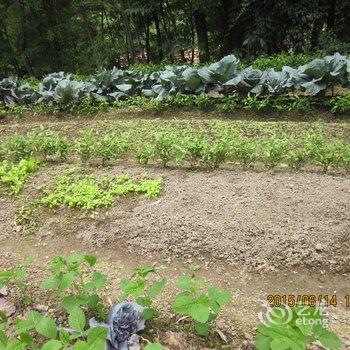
[159, 36]
[202, 35]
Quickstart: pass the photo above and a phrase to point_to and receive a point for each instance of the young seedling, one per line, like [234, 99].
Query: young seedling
[138, 287]
[74, 282]
[201, 304]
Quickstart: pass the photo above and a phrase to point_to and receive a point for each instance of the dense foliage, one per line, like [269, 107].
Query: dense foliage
[223, 76]
[38, 37]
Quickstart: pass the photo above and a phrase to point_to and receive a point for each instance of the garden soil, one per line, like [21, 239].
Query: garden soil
[253, 233]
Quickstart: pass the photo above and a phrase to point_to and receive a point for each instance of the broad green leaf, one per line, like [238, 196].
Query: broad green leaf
[304, 328]
[64, 336]
[70, 303]
[50, 283]
[75, 258]
[3, 340]
[46, 327]
[157, 287]
[327, 338]
[154, 346]
[91, 260]
[66, 281]
[21, 273]
[219, 296]
[280, 344]
[202, 328]
[96, 338]
[185, 282]
[144, 301]
[25, 338]
[76, 319]
[15, 345]
[199, 312]
[149, 313]
[22, 326]
[98, 281]
[6, 275]
[144, 271]
[52, 345]
[182, 304]
[262, 342]
[33, 316]
[80, 345]
[133, 288]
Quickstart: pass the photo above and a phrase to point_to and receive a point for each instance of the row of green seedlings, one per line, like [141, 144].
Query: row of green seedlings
[76, 286]
[224, 104]
[169, 147]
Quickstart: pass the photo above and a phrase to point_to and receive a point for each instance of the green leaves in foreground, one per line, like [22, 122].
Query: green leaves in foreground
[144, 292]
[74, 282]
[203, 306]
[303, 326]
[55, 338]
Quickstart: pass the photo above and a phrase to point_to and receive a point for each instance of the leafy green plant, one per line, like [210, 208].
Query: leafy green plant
[255, 102]
[294, 103]
[144, 152]
[201, 304]
[204, 101]
[52, 145]
[246, 152]
[215, 154]
[39, 332]
[13, 279]
[12, 276]
[17, 147]
[151, 188]
[273, 150]
[89, 193]
[74, 282]
[25, 217]
[110, 146]
[193, 148]
[138, 287]
[297, 157]
[164, 147]
[85, 146]
[340, 103]
[328, 155]
[295, 329]
[227, 104]
[14, 176]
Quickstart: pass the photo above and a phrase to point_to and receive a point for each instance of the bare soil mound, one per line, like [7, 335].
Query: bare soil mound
[248, 219]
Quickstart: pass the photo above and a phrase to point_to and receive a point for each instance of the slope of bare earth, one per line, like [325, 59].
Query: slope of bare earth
[248, 219]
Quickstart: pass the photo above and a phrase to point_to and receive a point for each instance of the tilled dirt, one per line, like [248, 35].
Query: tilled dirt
[251, 233]
[257, 221]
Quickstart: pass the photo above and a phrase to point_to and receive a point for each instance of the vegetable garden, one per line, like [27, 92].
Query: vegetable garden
[223, 76]
[123, 159]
